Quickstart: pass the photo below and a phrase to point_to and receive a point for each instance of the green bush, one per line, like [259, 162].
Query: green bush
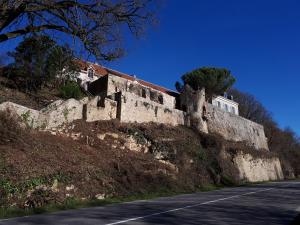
[70, 90]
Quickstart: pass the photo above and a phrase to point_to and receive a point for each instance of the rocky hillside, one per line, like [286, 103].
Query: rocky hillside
[106, 159]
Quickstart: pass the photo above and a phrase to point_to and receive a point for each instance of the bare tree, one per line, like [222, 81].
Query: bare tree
[285, 142]
[1, 60]
[250, 107]
[98, 24]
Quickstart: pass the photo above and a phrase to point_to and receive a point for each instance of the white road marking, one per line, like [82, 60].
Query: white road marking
[189, 206]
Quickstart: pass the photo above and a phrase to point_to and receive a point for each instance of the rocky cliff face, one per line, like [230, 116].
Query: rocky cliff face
[255, 168]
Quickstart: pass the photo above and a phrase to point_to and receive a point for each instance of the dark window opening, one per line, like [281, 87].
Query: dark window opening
[204, 115]
[161, 99]
[90, 73]
[152, 96]
[101, 102]
[177, 103]
[88, 84]
[143, 93]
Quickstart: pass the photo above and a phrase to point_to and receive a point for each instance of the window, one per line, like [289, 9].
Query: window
[219, 104]
[143, 93]
[161, 99]
[90, 73]
[226, 108]
[232, 109]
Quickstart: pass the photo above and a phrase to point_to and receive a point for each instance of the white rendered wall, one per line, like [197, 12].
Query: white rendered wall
[221, 102]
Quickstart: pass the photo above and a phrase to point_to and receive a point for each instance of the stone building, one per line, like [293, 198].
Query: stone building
[139, 101]
[115, 95]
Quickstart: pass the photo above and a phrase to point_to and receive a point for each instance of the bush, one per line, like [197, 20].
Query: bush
[70, 90]
[10, 129]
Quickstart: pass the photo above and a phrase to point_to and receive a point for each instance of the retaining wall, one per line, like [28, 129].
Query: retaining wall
[258, 169]
[235, 128]
[62, 112]
[141, 110]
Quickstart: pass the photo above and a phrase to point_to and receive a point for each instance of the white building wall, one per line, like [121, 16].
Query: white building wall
[226, 105]
[85, 79]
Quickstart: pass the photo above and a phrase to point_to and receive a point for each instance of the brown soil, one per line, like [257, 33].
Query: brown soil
[8, 92]
[29, 157]
[30, 160]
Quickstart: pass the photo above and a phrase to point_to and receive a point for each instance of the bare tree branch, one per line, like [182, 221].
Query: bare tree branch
[28, 29]
[96, 23]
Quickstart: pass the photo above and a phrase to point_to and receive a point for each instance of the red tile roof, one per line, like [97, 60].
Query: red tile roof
[102, 71]
[99, 70]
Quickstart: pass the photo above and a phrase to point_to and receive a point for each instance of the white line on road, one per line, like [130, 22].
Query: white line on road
[186, 207]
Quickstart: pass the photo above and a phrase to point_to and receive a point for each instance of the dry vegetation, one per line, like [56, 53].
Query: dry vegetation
[34, 100]
[39, 168]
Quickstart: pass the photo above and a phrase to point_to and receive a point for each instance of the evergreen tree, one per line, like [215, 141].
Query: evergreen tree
[216, 81]
[38, 60]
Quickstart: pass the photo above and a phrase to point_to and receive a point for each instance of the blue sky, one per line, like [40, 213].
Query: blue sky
[259, 41]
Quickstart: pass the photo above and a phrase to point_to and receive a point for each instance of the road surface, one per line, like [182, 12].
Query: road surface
[266, 204]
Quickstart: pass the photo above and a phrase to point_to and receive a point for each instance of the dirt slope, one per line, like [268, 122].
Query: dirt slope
[105, 159]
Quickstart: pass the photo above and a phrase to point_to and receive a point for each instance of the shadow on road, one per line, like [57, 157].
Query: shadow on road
[250, 207]
[296, 221]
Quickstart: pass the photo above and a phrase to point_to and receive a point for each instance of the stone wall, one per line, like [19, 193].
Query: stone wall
[62, 112]
[29, 117]
[141, 110]
[59, 113]
[258, 169]
[235, 128]
[119, 84]
[100, 109]
[210, 119]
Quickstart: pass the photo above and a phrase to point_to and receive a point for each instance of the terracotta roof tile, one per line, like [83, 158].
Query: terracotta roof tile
[99, 70]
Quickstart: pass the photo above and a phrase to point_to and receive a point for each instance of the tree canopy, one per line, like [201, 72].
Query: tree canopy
[37, 61]
[250, 108]
[98, 24]
[215, 80]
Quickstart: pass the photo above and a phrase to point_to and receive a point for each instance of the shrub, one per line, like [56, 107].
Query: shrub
[10, 128]
[70, 90]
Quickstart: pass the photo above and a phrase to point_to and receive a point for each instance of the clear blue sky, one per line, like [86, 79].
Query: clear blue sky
[259, 41]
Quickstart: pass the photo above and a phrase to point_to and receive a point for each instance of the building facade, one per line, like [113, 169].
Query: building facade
[139, 101]
[226, 103]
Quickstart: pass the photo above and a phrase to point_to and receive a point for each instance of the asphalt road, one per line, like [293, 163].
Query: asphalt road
[272, 203]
